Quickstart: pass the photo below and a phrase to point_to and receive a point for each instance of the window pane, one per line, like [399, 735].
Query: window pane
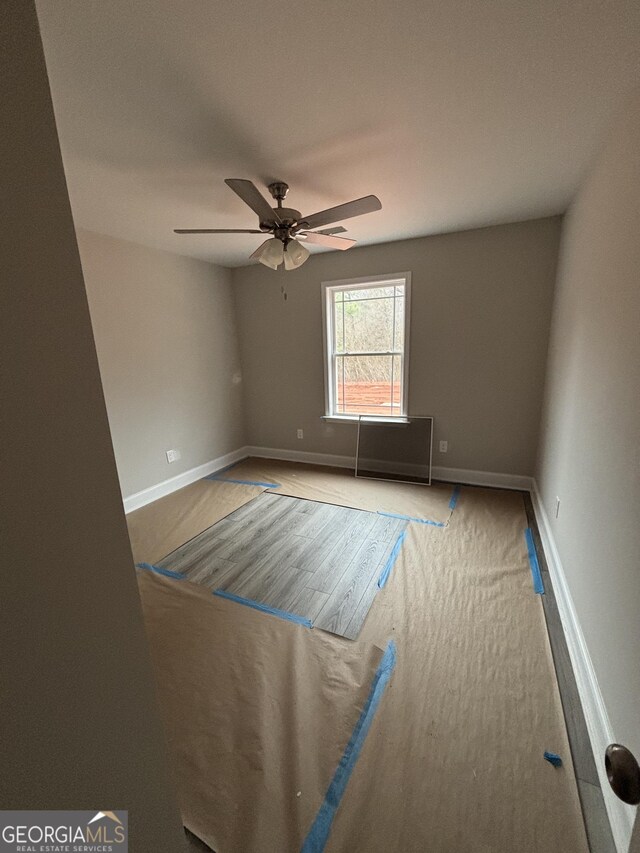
[398, 343]
[368, 324]
[396, 398]
[360, 294]
[368, 385]
[338, 325]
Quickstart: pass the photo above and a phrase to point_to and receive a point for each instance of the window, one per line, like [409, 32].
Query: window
[366, 324]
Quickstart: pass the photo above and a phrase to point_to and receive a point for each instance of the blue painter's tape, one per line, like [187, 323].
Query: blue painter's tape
[319, 833]
[264, 608]
[554, 759]
[160, 571]
[454, 497]
[226, 468]
[243, 482]
[384, 576]
[410, 518]
[538, 586]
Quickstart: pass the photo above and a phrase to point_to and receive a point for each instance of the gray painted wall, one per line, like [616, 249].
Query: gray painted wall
[635, 840]
[481, 305]
[590, 440]
[79, 726]
[165, 333]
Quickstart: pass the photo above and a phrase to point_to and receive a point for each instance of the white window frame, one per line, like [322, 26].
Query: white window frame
[328, 337]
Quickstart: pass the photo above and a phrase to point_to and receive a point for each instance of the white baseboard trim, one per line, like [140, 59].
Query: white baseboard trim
[451, 475]
[621, 816]
[482, 478]
[302, 456]
[166, 487]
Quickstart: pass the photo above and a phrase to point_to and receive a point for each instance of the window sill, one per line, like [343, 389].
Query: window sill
[340, 419]
[369, 419]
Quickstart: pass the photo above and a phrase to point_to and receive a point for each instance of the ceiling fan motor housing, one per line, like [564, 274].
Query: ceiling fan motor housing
[287, 216]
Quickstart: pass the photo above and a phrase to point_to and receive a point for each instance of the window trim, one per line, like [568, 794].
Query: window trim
[328, 289]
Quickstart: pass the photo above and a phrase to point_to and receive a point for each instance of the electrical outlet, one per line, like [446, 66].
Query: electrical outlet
[300, 433]
[173, 455]
[557, 507]
[444, 446]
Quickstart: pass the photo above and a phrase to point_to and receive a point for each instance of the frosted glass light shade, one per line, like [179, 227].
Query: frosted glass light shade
[272, 253]
[295, 255]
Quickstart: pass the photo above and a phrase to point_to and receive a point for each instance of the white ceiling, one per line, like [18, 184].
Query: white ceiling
[456, 114]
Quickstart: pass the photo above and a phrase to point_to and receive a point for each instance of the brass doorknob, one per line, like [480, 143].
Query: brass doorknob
[623, 773]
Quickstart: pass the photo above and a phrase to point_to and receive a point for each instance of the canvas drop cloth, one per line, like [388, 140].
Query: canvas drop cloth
[162, 526]
[256, 710]
[340, 486]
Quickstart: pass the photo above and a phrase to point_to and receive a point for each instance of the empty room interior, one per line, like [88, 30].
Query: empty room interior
[321, 446]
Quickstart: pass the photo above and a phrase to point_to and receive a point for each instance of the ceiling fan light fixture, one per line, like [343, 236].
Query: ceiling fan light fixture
[295, 254]
[272, 253]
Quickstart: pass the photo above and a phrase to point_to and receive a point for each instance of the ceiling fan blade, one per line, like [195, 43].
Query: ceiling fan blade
[343, 211]
[217, 231]
[252, 196]
[328, 240]
[338, 229]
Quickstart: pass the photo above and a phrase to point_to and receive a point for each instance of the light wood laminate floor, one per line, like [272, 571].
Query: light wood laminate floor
[316, 560]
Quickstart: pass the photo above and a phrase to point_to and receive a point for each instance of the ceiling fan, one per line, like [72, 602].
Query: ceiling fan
[288, 226]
